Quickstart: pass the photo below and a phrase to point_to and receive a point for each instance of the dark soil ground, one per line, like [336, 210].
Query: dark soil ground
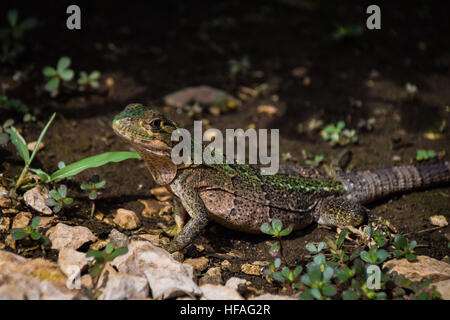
[165, 47]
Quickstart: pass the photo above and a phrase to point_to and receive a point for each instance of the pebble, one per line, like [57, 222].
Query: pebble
[127, 219]
[64, 236]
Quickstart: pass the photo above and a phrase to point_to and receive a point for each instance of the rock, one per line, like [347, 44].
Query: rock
[212, 276]
[204, 95]
[199, 264]
[45, 221]
[267, 109]
[4, 223]
[21, 220]
[35, 198]
[215, 292]
[167, 278]
[152, 207]
[32, 279]
[268, 296]
[127, 219]
[225, 264]
[425, 268]
[153, 238]
[32, 145]
[72, 262]
[439, 221]
[444, 288]
[99, 245]
[178, 256]
[235, 282]
[64, 236]
[251, 269]
[119, 239]
[86, 281]
[161, 194]
[122, 286]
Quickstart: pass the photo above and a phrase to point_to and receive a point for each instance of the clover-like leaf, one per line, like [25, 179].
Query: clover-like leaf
[63, 63]
[49, 72]
[18, 233]
[66, 75]
[52, 84]
[35, 222]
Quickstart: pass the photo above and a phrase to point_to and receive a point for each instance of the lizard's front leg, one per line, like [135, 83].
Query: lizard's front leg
[193, 204]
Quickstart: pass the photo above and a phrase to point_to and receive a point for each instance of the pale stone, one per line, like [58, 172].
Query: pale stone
[127, 219]
[124, 286]
[217, 292]
[35, 198]
[72, 262]
[425, 268]
[204, 95]
[21, 220]
[199, 264]
[443, 287]
[235, 282]
[64, 236]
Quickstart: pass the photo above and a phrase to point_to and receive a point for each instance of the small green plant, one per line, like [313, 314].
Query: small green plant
[350, 31]
[93, 186]
[424, 155]
[374, 255]
[338, 135]
[58, 198]
[241, 66]
[90, 80]
[4, 136]
[31, 231]
[16, 105]
[11, 36]
[59, 76]
[403, 248]
[21, 146]
[317, 284]
[101, 258]
[285, 276]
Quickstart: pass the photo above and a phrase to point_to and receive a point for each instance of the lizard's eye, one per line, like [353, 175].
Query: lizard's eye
[156, 124]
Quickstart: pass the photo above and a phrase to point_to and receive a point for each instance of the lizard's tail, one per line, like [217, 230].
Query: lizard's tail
[369, 185]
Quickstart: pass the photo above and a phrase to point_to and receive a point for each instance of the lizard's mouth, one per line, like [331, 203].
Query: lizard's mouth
[140, 141]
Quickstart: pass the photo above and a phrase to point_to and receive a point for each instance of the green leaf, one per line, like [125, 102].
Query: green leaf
[92, 162]
[41, 174]
[52, 84]
[315, 293]
[45, 241]
[20, 144]
[94, 253]
[306, 279]
[277, 263]
[286, 272]
[41, 136]
[341, 238]
[329, 290]
[119, 251]
[35, 222]
[366, 257]
[315, 274]
[279, 276]
[109, 248]
[277, 225]
[412, 245]
[94, 75]
[400, 242]
[57, 208]
[350, 295]
[68, 200]
[286, 231]
[275, 247]
[320, 246]
[96, 271]
[342, 275]
[18, 233]
[319, 259]
[66, 75]
[327, 273]
[382, 255]
[63, 63]
[49, 72]
[306, 295]
[54, 194]
[297, 271]
[62, 190]
[85, 186]
[93, 195]
[12, 17]
[311, 247]
[410, 257]
[100, 185]
[27, 24]
[35, 235]
[50, 202]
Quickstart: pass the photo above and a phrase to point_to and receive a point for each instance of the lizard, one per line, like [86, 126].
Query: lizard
[239, 197]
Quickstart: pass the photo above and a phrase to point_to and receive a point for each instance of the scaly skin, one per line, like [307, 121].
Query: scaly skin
[239, 197]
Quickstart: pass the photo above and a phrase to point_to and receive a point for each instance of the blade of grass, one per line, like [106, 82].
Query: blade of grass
[30, 159]
[92, 162]
[19, 142]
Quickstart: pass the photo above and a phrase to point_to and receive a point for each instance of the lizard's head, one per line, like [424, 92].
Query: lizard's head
[149, 132]
[146, 128]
